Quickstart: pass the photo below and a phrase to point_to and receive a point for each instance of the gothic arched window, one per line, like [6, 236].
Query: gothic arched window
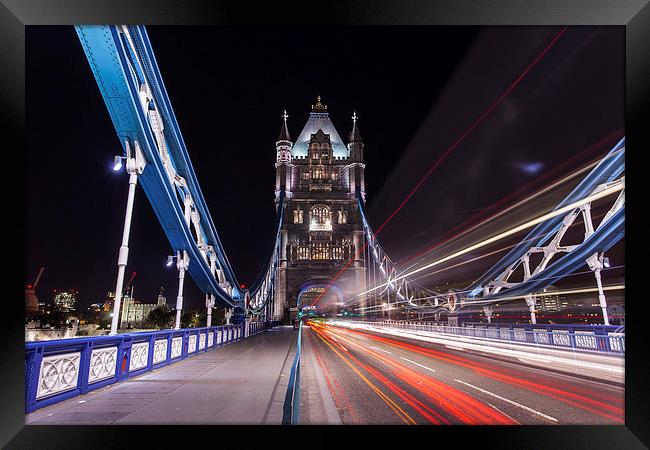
[297, 215]
[343, 215]
[320, 218]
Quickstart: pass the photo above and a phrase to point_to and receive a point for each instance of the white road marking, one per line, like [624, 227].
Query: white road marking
[504, 413]
[334, 338]
[380, 349]
[344, 348]
[553, 419]
[418, 364]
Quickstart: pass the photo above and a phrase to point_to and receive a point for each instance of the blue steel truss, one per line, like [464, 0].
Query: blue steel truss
[124, 66]
[608, 233]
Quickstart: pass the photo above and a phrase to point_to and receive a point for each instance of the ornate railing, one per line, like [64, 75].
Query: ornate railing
[60, 369]
[291, 408]
[607, 339]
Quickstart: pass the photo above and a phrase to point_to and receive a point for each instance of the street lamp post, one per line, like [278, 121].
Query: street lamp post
[182, 263]
[209, 303]
[134, 166]
[596, 263]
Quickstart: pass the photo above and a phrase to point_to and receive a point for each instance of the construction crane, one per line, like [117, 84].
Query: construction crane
[31, 301]
[126, 288]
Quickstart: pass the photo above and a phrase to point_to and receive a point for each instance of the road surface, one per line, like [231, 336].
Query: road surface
[353, 376]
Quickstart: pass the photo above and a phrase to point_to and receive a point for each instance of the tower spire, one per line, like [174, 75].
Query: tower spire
[318, 107]
[355, 136]
[284, 131]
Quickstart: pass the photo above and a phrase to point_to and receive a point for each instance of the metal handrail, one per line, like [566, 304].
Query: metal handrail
[570, 339]
[291, 409]
[59, 369]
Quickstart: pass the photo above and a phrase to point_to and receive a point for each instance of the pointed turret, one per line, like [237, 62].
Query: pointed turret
[283, 159]
[355, 136]
[283, 144]
[284, 131]
[355, 146]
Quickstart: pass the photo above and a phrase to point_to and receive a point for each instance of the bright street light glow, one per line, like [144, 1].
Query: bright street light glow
[170, 261]
[117, 163]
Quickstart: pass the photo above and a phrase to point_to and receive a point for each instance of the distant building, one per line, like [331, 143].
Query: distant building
[108, 302]
[162, 300]
[95, 307]
[134, 313]
[65, 301]
[616, 314]
[550, 302]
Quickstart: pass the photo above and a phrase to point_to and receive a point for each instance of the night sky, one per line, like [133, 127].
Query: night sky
[415, 90]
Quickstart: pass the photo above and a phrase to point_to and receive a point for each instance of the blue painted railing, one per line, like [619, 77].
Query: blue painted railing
[291, 409]
[64, 368]
[598, 338]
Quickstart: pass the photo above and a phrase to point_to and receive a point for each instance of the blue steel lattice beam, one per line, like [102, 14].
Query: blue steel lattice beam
[127, 75]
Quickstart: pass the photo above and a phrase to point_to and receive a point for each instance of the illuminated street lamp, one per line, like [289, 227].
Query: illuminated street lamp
[182, 263]
[135, 163]
[117, 162]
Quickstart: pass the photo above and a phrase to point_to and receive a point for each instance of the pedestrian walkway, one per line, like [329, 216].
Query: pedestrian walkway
[242, 383]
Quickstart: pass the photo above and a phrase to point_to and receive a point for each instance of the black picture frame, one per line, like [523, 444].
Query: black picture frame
[15, 15]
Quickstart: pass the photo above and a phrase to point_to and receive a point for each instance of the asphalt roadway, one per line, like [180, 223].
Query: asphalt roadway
[352, 376]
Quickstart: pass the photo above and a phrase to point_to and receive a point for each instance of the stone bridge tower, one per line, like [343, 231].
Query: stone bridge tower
[321, 230]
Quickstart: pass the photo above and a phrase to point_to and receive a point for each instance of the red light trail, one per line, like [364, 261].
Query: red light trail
[451, 402]
[568, 395]
[449, 151]
[474, 221]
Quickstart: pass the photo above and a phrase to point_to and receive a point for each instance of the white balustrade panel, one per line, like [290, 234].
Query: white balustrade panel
[561, 337]
[191, 344]
[58, 373]
[201, 341]
[210, 339]
[218, 337]
[585, 339]
[541, 337]
[520, 335]
[617, 341]
[103, 362]
[139, 355]
[177, 346]
[159, 351]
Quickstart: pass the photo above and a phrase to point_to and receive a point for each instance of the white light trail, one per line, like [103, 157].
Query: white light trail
[604, 193]
[548, 188]
[474, 302]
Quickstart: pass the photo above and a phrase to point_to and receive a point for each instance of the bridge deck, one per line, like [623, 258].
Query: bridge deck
[242, 383]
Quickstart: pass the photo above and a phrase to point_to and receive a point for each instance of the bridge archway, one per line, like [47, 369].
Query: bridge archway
[310, 289]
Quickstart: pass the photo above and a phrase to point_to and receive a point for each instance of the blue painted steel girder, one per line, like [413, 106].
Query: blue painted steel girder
[602, 240]
[606, 171]
[109, 61]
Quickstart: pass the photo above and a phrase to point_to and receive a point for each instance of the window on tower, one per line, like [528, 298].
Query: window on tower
[343, 216]
[320, 218]
[297, 216]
